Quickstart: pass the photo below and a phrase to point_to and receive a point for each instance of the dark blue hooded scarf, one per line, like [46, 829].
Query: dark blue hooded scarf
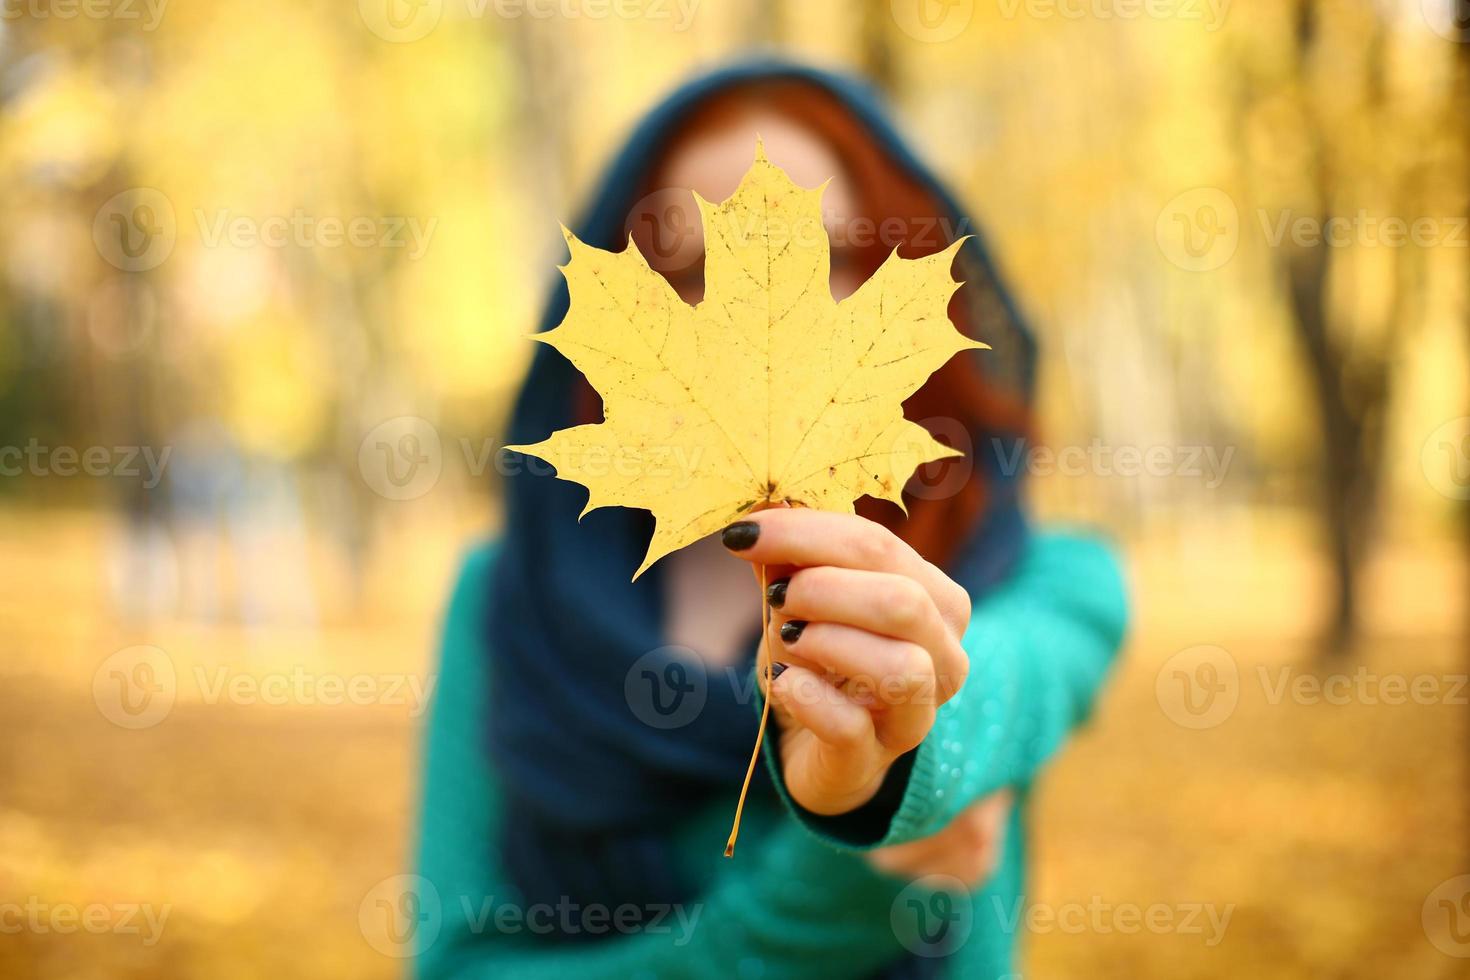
[590, 787]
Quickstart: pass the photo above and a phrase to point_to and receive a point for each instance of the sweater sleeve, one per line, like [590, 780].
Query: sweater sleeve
[1040, 646]
[791, 907]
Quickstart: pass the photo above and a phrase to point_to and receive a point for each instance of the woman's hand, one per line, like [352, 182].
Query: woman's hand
[969, 848]
[869, 636]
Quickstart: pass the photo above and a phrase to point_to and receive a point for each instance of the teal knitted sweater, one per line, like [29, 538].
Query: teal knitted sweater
[794, 902]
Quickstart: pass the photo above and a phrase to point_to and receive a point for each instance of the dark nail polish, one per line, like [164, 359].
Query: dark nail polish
[776, 592]
[777, 670]
[740, 535]
[791, 630]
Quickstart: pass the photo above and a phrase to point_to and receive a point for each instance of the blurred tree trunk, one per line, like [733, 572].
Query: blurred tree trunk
[876, 53]
[1351, 392]
[547, 82]
[1350, 403]
[765, 26]
[1458, 105]
[1459, 100]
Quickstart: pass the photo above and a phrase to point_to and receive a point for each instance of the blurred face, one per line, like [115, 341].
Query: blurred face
[711, 163]
[666, 227]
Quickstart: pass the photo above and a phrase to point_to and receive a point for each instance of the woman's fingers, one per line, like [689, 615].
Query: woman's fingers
[879, 602]
[802, 537]
[890, 680]
[875, 669]
[969, 848]
[819, 706]
[830, 757]
[883, 602]
[863, 681]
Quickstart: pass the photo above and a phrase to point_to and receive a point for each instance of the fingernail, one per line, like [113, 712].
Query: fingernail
[791, 630]
[740, 535]
[777, 670]
[776, 592]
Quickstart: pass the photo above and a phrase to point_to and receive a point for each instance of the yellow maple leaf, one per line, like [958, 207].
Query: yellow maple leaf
[767, 391]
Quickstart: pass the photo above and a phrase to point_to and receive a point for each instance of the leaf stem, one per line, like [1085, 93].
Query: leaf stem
[755, 753]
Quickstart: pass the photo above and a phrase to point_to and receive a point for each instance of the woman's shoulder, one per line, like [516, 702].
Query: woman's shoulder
[1084, 550]
[1077, 571]
[469, 600]
[471, 580]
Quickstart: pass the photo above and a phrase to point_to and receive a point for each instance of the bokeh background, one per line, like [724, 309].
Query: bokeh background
[266, 272]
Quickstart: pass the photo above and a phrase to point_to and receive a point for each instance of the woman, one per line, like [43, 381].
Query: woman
[590, 734]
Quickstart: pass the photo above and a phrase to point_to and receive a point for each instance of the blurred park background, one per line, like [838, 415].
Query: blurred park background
[266, 272]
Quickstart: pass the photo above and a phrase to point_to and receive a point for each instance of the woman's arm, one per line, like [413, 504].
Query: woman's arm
[1039, 647]
[792, 906]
